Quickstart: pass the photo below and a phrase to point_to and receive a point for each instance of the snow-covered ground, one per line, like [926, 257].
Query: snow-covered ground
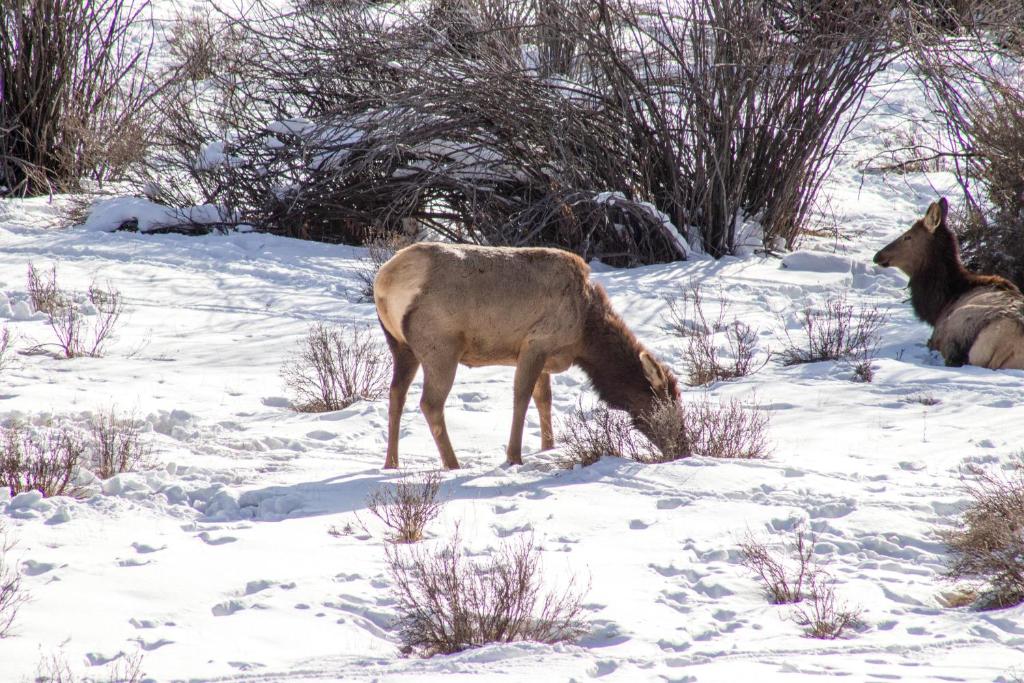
[215, 563]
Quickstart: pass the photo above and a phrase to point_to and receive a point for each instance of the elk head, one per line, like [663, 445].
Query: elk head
[910, 251]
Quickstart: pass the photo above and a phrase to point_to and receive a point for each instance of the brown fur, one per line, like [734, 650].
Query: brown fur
[535, 309]
[978, 319]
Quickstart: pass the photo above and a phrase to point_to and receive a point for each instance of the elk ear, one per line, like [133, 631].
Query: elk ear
[936, 214]
[654, 373]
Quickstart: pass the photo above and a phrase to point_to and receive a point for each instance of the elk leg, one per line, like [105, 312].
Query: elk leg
[403, 371]
[438, 376]
[528, 370]
[542, 399]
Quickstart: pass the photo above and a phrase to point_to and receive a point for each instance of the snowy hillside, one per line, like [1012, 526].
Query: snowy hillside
[215, 562]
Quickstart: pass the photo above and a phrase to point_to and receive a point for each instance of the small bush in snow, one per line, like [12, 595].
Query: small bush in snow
[379, 249]
[5, 346]
[448, 603]
[55, 669]
[703, 357]
[117, 444]
[12, 597]
[987, 545]
[335, 368]
[671, 432]
[588, 436]
[43, 291]
[408, 508]
[823, 615]
[784, 576]
[703, 427]
[46, 460]
[67, 320]
[836, 332]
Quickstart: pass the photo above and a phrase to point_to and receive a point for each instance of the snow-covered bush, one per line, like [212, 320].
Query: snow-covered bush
[335, 367]
[607, 130]
[836, 331]
[408, 507]
[72, 107]
[448, 603]
[987, 544]
[46, 459]
[706, 363]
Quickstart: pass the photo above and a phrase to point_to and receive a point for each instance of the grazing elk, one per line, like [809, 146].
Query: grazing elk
[978, 319]
[536, 309]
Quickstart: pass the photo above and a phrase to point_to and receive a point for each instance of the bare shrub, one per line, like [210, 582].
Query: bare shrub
[702, 354]
[55, 669]
[12, 596]
[192, 44]
[117, 444]
[987, 545]
[448, 603]
[43, 291]
[823, 615]
[836, 332]
[408, 508]
[670, 432]
[76, 106]
[785, 576]
[45, 460]
[587, 436]
[704, 427]
[598, 128]
[975, 79]
[337, 367]
[66, 318]
[380, 249]
[5, 346]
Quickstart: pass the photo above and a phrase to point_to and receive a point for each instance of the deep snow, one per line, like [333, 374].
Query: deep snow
[216, 563]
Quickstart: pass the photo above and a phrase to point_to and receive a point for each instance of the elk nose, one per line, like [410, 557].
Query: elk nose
[881, 260]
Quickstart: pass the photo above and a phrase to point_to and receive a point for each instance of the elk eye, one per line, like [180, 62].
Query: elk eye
[907, 238]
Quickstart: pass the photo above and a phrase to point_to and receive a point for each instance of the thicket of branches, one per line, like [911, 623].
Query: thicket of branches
[596, 127]
[975, 78]
[74, 92]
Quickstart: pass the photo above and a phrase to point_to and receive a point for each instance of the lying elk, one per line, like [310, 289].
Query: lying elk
[978, 319]
[536, 309]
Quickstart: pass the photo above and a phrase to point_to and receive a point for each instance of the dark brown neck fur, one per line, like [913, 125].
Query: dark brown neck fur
[943, 279]
[611, 358]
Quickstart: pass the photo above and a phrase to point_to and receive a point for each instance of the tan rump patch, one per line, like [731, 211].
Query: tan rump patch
[396, 286]
[999, 346]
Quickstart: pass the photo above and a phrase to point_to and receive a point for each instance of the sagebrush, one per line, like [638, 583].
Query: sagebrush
[987, 545]
[447, 602]
[823, 615]
[77, 334]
